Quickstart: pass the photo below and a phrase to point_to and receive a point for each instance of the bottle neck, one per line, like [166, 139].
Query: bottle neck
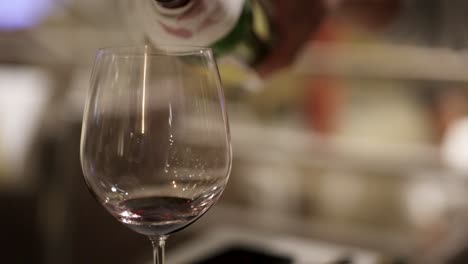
[172, 4]
[172, 7]
[199, 22]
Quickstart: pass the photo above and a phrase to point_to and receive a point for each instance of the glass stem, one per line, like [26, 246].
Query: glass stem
[159, 242]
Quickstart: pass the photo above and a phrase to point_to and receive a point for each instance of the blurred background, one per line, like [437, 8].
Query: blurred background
[352, 131]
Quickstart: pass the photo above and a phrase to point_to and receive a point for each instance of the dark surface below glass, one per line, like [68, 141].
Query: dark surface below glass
[244, 255]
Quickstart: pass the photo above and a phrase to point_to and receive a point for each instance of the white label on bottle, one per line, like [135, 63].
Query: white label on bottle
[203, 24]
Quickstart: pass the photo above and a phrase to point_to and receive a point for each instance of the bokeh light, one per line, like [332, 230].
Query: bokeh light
[20, 14]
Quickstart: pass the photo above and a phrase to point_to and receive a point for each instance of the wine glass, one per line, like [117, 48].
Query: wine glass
[155, 144]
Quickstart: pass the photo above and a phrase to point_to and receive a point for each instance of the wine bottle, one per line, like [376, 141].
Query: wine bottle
[240, 28]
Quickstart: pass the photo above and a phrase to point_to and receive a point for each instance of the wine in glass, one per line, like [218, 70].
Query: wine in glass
[155, 145]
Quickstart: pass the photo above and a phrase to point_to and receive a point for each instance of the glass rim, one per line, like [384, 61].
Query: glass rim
[160, 50]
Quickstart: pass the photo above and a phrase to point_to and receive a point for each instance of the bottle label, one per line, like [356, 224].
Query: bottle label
[205, 22]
